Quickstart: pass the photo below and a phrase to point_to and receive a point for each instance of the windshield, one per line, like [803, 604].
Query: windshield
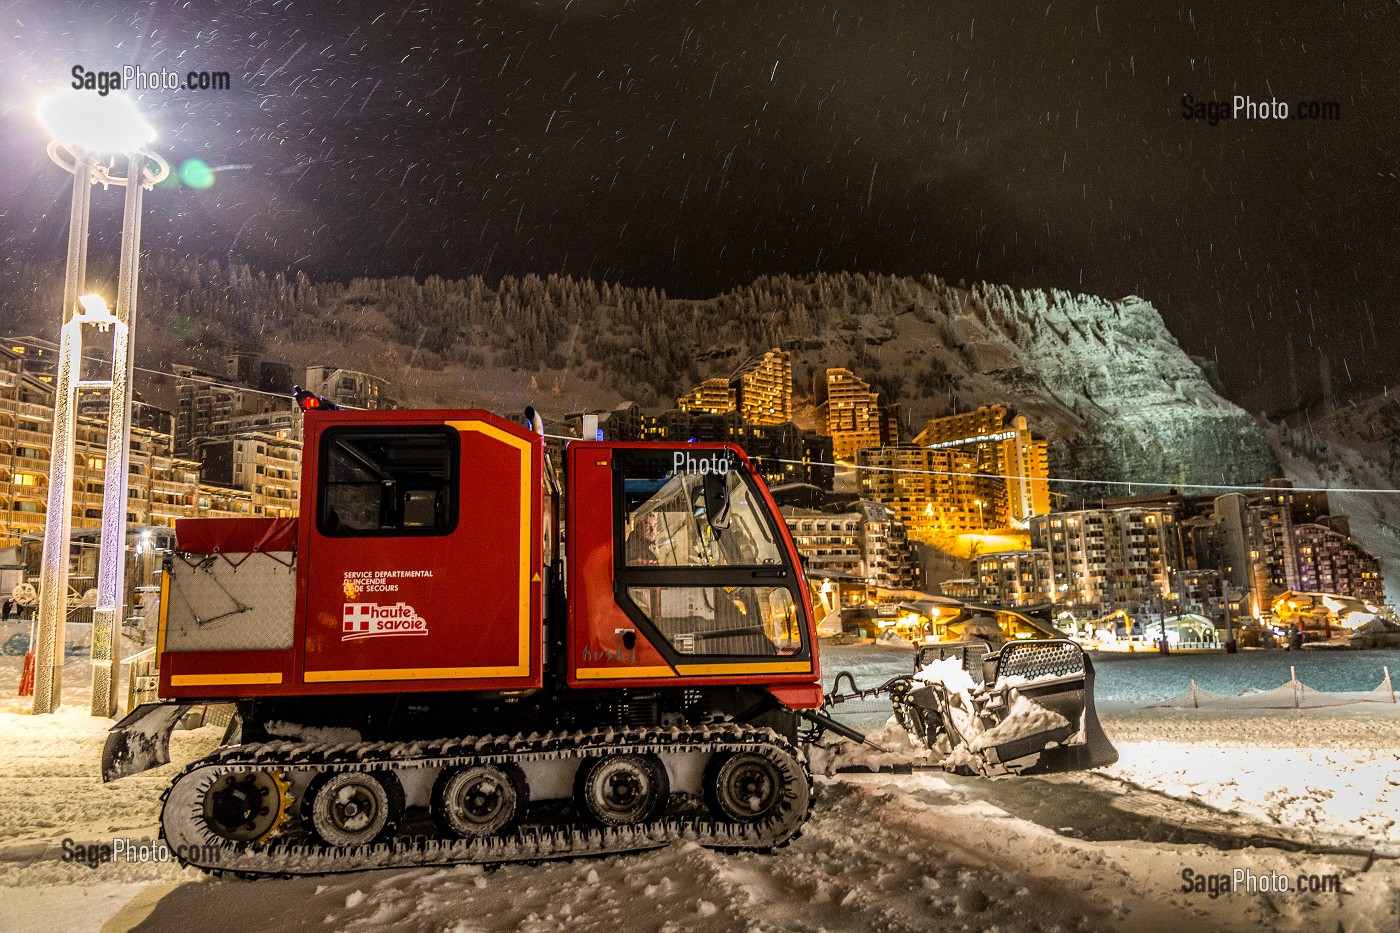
[668, 524]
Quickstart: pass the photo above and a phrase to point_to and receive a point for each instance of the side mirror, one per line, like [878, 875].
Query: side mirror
[717, 501]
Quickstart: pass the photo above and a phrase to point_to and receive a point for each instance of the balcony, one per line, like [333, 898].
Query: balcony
[31, 465]
[34, 412]
[31, 438]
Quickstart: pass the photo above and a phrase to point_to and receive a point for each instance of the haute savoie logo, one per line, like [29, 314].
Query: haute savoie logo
[373, 620]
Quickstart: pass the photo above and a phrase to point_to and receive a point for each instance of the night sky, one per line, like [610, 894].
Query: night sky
[694, 146]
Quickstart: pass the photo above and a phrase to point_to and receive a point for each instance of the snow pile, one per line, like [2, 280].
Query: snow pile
[1025, 719]
[319, 735]
[948, 673]
[1331, 775]
[893, 639]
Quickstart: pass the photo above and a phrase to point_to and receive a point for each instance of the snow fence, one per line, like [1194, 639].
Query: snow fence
[1292, 695]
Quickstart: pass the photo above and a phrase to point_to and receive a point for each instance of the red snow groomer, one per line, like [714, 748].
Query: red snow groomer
[426, 669]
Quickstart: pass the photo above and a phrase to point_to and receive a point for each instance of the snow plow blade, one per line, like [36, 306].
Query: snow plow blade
[1033, 712]
[141, 741]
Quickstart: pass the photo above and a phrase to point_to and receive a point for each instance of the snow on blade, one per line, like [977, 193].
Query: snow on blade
[1026, 718]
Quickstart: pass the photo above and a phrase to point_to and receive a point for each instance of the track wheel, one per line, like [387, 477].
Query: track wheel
[479, 800]
[744, 787]
[247, 806]
[619, 790]
[352, 808]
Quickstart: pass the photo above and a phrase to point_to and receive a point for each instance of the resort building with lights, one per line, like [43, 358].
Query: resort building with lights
[760, 391]
[1103, 560]
[1004, 447]
[868, 541]
[935, 493]
[1013, 578]
[850, 413]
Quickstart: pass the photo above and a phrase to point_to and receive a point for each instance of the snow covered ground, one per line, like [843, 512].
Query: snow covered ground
[1316, 792]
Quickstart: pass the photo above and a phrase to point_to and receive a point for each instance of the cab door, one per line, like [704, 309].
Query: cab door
[704, 583]
[422, 554]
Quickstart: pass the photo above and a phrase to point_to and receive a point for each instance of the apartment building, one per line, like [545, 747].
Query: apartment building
[1003, 446]
[267, 465]
[760, 391]
[868, 542]
[1200, 591]
[849, 411]
[161, 486]
[1330, 562]
[783, 453]
[1102, 560]
[1250, 548]
[764, 386]
[207, 405]
[935, 493]
[1013, 578]
[349, 388]
[711, 397]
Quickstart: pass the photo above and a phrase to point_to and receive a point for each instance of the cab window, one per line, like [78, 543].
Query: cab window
[723, 620]
[668, 521]
[387, 481]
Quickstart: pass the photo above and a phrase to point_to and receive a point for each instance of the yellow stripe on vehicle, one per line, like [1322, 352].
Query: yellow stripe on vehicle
[414, 673]
[770, 667]
[164, 612]
[221, 680]
[622, 673]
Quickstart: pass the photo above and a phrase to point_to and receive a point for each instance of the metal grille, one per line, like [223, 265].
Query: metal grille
[217, 606]
[1033, 660]
[970, 653]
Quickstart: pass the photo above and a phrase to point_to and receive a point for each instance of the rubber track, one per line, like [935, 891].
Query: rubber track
[194, 844]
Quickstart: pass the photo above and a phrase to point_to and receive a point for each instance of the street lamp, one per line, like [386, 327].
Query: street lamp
[86, 127]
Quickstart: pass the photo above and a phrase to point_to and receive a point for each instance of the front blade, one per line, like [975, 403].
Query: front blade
[141, 741]
[1034, 714]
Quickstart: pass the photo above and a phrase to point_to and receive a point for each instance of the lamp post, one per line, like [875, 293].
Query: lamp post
[1162, 620]
[85, 128]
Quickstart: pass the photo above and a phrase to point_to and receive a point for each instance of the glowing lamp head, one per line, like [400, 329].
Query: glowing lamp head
[310, 401]
[99, 124]
[94, 304]
[95, 311]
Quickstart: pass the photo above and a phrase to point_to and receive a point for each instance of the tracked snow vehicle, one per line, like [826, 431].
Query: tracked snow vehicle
[456, 654]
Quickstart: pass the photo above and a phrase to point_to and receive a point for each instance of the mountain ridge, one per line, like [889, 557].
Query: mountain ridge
[1104, 380]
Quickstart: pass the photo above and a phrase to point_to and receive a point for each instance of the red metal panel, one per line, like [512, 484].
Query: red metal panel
[235, 535]
[798, 696]
[595, 621]
[213, 674]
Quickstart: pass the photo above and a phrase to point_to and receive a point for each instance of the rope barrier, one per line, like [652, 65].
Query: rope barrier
[1291, 695]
